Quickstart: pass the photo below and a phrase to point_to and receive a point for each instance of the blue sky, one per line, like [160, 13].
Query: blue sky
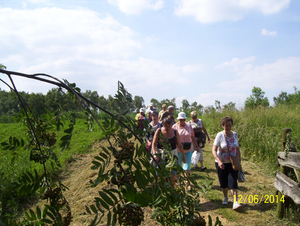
[199, 50]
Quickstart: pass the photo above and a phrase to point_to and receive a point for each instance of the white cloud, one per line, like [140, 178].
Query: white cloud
[26, 3]
[209, 11]
[51, 40]
[280, 75]
[151, 38]
[80, 46]
[136, 6]
[140, 73]
[267, 33]
[146, 77]
[226, 96]
[48, 34]
[238, 64]
[192, 68]
[38, 1]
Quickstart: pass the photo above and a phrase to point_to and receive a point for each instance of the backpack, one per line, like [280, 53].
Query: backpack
[140, 121]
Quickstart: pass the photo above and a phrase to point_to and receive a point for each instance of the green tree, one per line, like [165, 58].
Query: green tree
[103, 102]
[9, 103]
[185, 105]
[209, 110]
[37, 103]
[229, 107]
[281, 99]
[111, 104]
[285, 98]
[92, 96]
[257, 99]
[194, 106]
[138, 102]
[156, 104]
[169, 102]
[218, 105]
[51, 99]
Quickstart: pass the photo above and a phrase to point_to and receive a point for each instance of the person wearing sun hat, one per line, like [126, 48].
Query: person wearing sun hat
[187, 138]
[141, 117]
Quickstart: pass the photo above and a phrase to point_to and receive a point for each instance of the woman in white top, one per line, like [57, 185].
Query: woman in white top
[154, 124]
[226, 145]
[198, 127]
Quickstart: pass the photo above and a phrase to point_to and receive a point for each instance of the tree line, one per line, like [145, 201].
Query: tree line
[9, 104]
[56, 97]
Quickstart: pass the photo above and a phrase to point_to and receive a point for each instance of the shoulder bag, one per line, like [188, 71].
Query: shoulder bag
[235, 162]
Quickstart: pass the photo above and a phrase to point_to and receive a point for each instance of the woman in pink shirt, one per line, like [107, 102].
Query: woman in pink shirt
[187, 138]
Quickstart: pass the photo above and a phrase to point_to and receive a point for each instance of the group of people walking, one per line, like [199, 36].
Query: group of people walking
[186, 138]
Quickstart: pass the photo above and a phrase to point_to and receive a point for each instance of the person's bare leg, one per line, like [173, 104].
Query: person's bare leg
[225, 196]
[225, 192]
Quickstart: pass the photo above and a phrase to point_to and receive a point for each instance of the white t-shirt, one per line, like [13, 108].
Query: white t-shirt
[221, 143]
[150, 110]
[196, 125]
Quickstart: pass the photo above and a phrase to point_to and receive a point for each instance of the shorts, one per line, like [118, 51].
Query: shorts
[201, 154]
[188, 157]
[227, 177]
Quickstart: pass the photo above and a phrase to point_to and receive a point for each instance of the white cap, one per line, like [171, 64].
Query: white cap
[181, 115]
[141, 110]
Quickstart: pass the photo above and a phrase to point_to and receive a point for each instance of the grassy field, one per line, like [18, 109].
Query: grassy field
[81, 142]
[260, 130]
[260, 138]
[14, 163]
[258, 182]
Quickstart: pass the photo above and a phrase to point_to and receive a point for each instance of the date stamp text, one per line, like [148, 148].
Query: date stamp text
[259, 199]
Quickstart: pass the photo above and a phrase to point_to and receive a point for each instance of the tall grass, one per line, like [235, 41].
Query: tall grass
[259, 130]
[12, 170]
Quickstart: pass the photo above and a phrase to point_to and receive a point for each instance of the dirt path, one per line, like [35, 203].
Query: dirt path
[79, 195]
[258, 182]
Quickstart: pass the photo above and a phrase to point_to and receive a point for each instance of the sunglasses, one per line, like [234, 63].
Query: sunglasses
[194, 117]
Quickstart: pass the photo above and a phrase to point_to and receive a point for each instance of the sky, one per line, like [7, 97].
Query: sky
[198, 50]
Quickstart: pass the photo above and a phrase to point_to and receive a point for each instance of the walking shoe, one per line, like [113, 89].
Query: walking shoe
[225, 201]
[203, 168]
[236, 206]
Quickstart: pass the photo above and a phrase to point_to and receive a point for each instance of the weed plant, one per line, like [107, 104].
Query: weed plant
[259, 130]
